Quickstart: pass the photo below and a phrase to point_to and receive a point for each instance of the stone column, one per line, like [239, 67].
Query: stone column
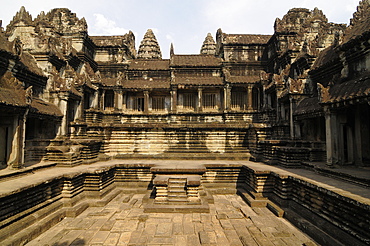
[227, 97]
[200, 95]
[146, 102]
[331, 137]
[250, 99]
[174, 100]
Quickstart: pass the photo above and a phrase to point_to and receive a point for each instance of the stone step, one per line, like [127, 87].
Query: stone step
[177, 196]
[178, 200]
[279, 212]
[177, 183]
[177, 179]
[187, 157]
[251, 201]
[176, 189]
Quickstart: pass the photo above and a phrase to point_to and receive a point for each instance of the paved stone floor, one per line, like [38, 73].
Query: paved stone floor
[123, 222]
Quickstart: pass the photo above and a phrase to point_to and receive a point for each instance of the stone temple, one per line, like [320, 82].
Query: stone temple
[256, 140]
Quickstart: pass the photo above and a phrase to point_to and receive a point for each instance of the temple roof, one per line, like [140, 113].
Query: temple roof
[149, 47]
[360, 23]
[349, 90]
[326, 56]
[195, 61]
[244, 79]
[246, 39]
[12, 97]
[108, 40]
[39, 106]
[308, 106]
[207, 80]
[22, 17]
[152, 83]
[5, 44]
[30, 62]
[146, 64]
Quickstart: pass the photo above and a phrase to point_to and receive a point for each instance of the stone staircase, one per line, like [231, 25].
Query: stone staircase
[176, 190]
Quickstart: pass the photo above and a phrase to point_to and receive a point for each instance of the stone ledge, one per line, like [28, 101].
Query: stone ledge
[152, 207]
[196, 169]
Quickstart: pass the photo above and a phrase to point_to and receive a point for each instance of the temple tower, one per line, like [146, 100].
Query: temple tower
[149, 47]
[209, 46]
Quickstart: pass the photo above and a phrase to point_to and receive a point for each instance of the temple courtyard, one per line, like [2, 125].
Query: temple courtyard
[123, 222]
[126, 214]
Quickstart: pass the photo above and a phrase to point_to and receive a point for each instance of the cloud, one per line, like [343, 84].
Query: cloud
[105, 26]
[219, 13]
[170, 38]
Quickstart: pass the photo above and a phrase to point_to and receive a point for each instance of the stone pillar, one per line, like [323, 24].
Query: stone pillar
[218, 101]
[118, 100]
[95, 100]
[291, 120]
[16, 157]
[101, 103]
[227, 97]
[250, 98]
[350, 149]
[358, 139]
[80, 109]
[331, 137]
[63, 106]
[174, 100]
[124, 100]
[200, 104]
[146, 102]
[297, 130]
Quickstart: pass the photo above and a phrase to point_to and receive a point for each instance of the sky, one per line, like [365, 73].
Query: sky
[185, 23]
